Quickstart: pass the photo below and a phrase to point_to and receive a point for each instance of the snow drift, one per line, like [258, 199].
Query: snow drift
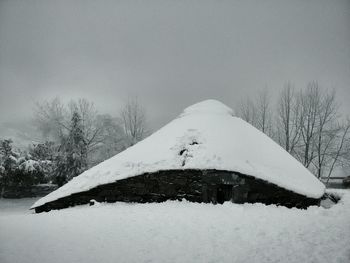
[205, 136]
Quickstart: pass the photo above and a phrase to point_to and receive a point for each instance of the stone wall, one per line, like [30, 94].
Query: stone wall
[27, 191]
[210, 186]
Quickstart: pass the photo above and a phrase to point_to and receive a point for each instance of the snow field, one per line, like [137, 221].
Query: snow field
[178, 232]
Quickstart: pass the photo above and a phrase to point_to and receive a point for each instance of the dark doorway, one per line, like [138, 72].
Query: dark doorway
[224, 193]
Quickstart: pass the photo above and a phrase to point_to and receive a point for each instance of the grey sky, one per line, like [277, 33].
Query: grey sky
[168, 53]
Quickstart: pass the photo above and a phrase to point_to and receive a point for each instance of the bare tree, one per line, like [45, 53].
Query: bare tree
[309, 103]
[112, 138]
[51, 118]
[307, 125]
[327, 130]
[247, 111]
[264, 113]
[341, 148]
[133, 119]
[258, 112]
[288, 118]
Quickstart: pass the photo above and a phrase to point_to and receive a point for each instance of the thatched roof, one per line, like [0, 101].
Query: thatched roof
[205, 136]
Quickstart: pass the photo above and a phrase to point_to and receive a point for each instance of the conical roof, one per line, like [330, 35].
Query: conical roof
[206, 135]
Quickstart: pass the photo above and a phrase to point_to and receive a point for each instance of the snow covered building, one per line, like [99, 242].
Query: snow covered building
[205, 155]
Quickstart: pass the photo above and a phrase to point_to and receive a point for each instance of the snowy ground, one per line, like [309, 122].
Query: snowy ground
[175, 232]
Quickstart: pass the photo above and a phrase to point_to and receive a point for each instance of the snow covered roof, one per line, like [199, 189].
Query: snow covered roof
[205, 136]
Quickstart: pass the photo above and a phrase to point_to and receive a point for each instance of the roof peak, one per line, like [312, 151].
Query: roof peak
[209, 106]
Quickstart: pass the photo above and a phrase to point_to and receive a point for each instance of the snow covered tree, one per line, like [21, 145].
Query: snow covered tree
[76, 147]
[81, 137]
[21, 168]
[72, 159]
[8, 161]
[42, 151]
[30, 172]
[53, 120]
[41, 157]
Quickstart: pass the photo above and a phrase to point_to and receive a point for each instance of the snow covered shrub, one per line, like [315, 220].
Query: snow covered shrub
[32, 172]
[8, 162]
[21, 169]
[42, 151]
[42, 156]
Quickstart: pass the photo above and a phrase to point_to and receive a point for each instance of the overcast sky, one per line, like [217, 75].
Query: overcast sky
[169, 53]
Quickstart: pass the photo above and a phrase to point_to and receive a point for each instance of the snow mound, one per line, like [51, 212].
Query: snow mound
[205, 136]
[208, 107]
